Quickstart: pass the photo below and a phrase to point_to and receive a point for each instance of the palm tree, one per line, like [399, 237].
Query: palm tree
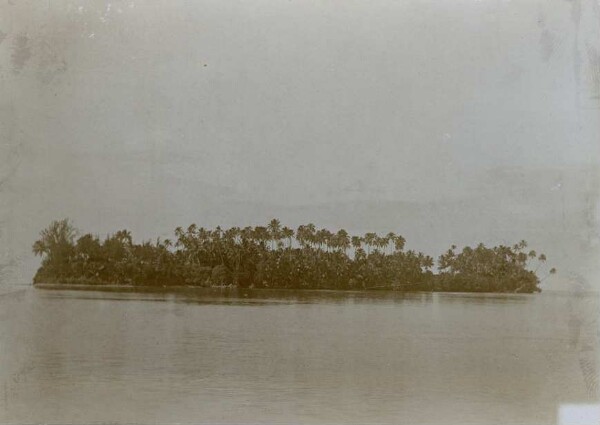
[343, 240]
[192, 229]
[369, 239]
[301, 235]
[311, 232]
[274, 228]
[261, 235]
[427, 262]
[246, 234]
[391, 237]
[381, 242]
[322, 238]
[552, 271]
[541, 259]
[288, 234]
[328, 239]
[399, 242]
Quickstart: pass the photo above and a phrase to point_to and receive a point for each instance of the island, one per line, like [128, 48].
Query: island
[276, 256]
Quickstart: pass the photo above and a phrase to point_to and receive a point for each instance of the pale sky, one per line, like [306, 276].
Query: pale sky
[460, 121]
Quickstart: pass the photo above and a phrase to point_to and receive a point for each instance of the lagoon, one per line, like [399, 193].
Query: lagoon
[246, 356]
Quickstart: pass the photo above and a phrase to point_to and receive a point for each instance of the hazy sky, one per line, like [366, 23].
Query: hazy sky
[153, 114]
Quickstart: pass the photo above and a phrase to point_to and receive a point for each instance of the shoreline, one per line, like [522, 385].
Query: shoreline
[179, 288]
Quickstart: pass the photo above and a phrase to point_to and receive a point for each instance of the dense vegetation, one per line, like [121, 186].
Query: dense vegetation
[274, 256]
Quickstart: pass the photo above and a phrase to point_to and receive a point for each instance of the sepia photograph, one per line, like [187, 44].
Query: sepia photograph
[300, 212]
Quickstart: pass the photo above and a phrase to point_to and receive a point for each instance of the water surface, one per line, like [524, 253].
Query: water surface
[228, 356]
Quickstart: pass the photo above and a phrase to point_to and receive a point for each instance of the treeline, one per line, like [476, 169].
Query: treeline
[275, 256]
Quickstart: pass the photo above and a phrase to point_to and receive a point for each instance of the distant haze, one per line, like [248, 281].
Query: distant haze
[446, 122]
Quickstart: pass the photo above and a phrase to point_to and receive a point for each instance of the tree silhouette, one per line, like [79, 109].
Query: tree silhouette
[264, 256]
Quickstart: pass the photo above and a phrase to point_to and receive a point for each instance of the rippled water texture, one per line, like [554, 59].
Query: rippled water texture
[223, 356]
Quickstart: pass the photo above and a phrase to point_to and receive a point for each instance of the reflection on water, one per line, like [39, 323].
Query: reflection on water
[227, 355]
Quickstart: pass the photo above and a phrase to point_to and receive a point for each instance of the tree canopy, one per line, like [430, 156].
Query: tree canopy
[276, 256]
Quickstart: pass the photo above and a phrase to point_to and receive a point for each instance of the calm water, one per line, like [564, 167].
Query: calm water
[304, 357]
